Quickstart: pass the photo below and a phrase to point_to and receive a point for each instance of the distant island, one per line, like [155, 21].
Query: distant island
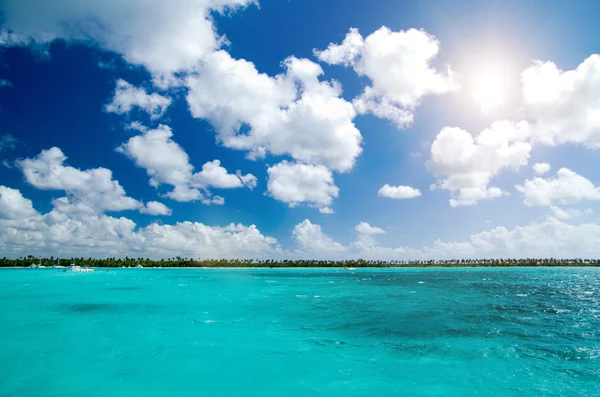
[179, 262]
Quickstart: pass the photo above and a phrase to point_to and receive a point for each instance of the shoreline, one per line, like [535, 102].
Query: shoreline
[316, 267]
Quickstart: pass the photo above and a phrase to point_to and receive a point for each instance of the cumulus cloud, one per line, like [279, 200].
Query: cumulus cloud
[155, 208]
[13, 205]
[165, 39]
[567, 187]
[365, 235]
[365, 229]
[564, 104]
[398, 192]
[311, 239]
[127, 97]
[24, 231]
[105, 236]
[167, 163]
[290, 114]
[399, 67]
[94, 188]
[302, 183]
[213, 175]
[541, 168]
[467, 164]
[548, 238]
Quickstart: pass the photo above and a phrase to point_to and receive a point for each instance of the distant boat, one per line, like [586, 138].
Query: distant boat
[75, 268]
[350, 268]
[139, 266]
[58, 266]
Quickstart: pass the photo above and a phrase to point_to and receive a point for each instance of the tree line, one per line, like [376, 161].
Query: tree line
[178, 261]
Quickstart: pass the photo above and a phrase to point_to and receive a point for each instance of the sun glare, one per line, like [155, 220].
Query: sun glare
[489, 90]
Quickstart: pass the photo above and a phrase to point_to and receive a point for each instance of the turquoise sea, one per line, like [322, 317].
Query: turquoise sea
[300, 332]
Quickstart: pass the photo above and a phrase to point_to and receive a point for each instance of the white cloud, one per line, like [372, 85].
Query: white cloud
[208, 241]
[23, 231]
[564, 104]
[93, 188]
[541, 168]
[366, 233]
[215, 200]
[292, 113]
[570, 213]
[467, 164]
[326, 210]
[106, 236]
[213, 175]
[127, 97]
[13, 205]
[548, 238]
[164, 38]
[399, 67]
[398, 192]
[164, 160]
[312, 240]
[365, 229]
[346, 53]
[302, 183]
[167, 163]
[567, 188]
[5, 83]
[155, 208]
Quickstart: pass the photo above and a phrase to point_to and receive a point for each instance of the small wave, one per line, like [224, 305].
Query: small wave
[270, 281]
[522, 295]
[301, 296]
[421, 282]
[317, 296]
[209, 321]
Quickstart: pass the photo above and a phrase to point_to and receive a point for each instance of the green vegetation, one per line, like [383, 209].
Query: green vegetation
[189, 262]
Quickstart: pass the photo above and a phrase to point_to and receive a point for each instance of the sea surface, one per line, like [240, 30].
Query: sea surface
[300, 332]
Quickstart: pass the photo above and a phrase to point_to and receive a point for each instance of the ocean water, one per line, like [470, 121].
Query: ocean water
[300, 332]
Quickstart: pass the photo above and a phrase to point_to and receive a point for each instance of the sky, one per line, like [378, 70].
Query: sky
[392, 130]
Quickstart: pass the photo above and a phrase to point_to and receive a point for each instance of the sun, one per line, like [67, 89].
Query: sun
[489, 89]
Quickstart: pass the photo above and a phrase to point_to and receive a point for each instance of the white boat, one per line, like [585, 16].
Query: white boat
[75, 268]
[350, 268]
[139, 266]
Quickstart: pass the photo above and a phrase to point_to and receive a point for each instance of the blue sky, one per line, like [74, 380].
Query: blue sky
[109, 111]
